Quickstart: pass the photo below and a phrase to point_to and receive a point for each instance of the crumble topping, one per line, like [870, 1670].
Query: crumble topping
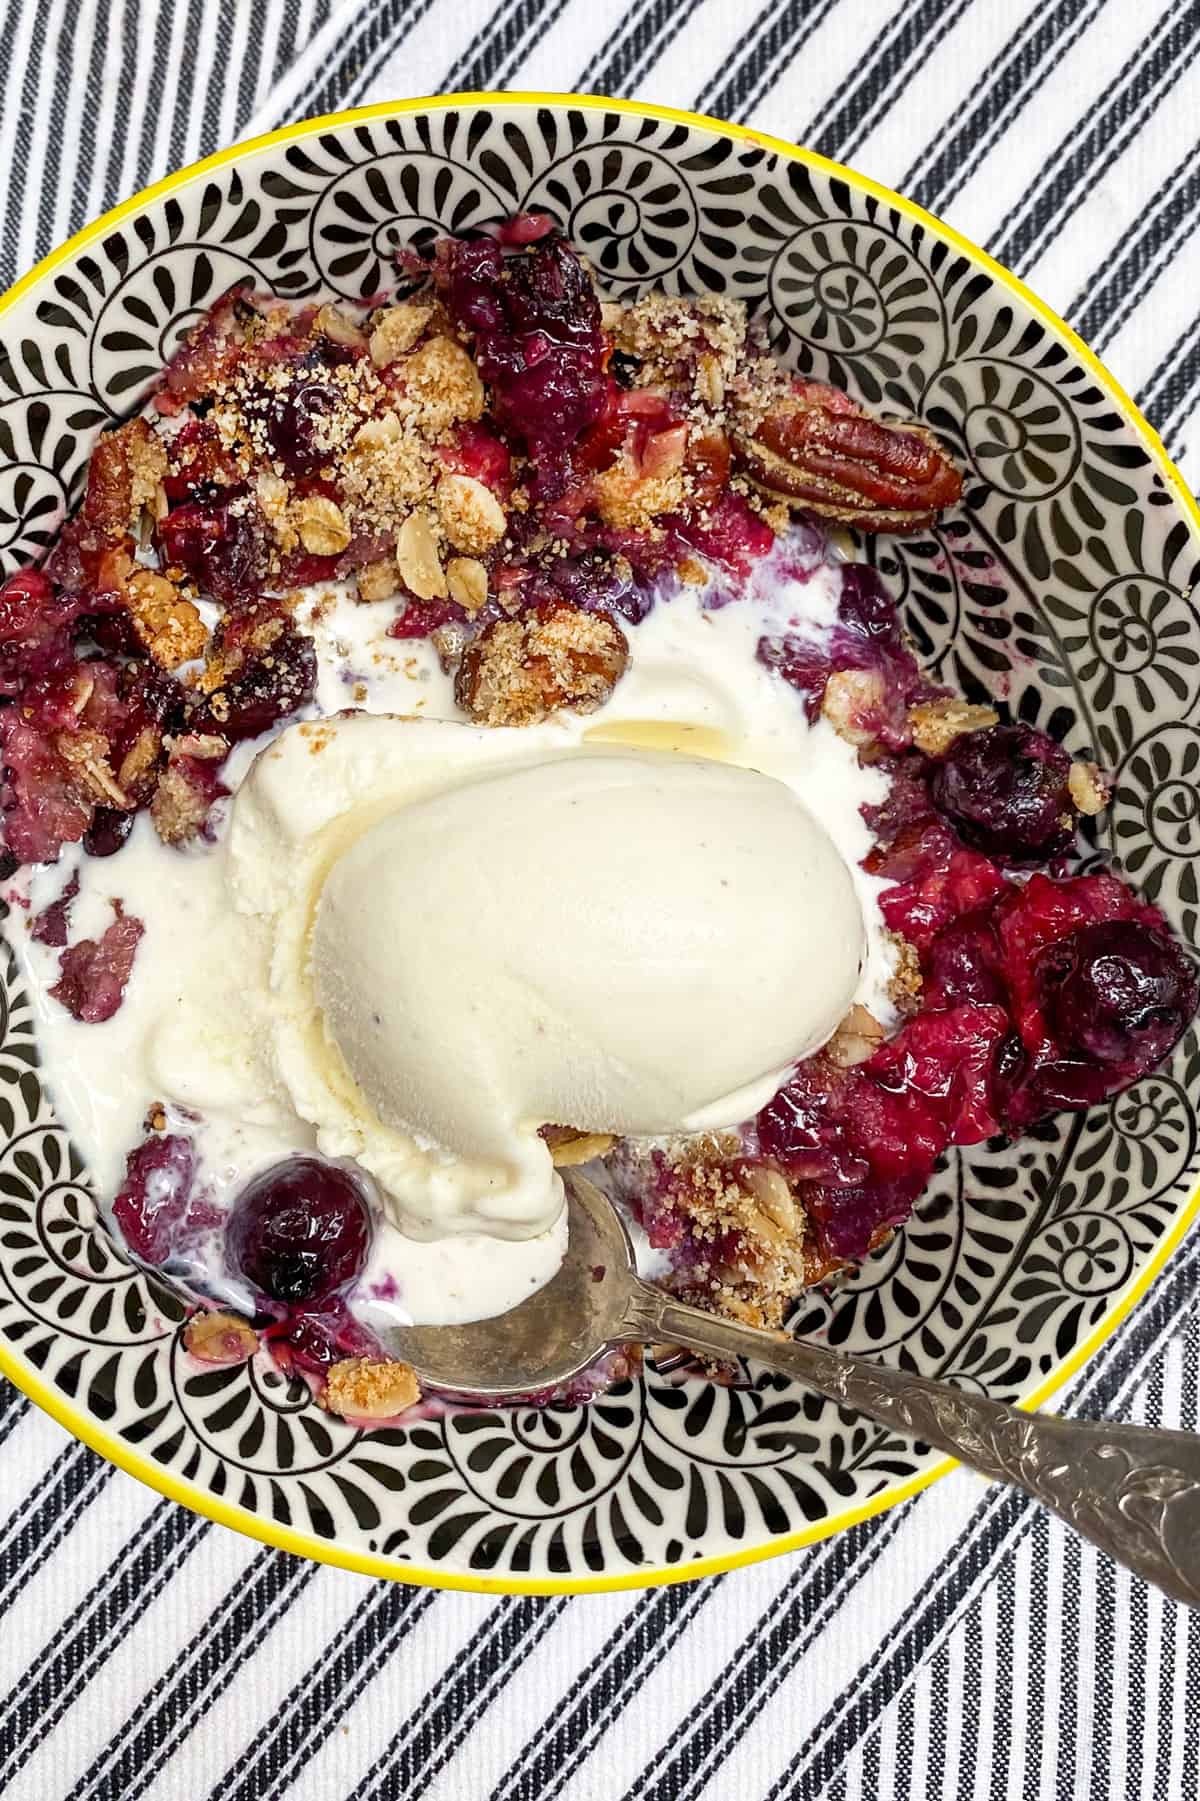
[169, 626]
[378, 580]
[744, 1223]
[471, 516]
[853, 702]
[904, 988]
[519, 671]
[85, 754]
[395, 329]
[937, 723]
[179, 808]
[368, 1389]
[633, 501]
[693, 346]
[442, 385]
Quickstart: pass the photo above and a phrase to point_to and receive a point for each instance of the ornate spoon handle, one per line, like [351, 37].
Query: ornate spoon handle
[1133, 1490]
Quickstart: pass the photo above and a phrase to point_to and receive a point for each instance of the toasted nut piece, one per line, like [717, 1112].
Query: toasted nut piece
[472, 518]
[378, 581]
[693, 572]
[467, 581]
[168, 625]
[360, 1388]
[858, 1037]
[777, 1217]
[937, 723]
[818, 449]
[275, 504]
[396, 329]
[139, 760]
[204, 746]
[710, 382]
[86, 755]
[321, 524]
[664, 452]
[1087, 788]
[630, 500]
[448, 640]
[444, 384]
[124, 476]
[852, 697]
[569, 1152]
[906, 982]
[417, 559]
[518, 671]
[339, 327]
[220, 1338]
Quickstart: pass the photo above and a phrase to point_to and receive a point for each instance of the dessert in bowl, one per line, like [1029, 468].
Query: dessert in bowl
[467, 728]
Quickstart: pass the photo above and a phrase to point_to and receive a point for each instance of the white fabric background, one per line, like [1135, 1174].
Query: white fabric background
[962, 1646]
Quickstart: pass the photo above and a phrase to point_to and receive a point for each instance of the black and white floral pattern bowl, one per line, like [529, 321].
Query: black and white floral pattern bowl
[1062, 584]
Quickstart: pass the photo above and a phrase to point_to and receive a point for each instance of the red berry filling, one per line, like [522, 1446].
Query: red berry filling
[94, 972]
[152, 1201]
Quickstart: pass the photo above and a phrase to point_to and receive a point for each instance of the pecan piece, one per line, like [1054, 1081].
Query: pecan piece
[821, 451]
[518, 671]
[126, 468]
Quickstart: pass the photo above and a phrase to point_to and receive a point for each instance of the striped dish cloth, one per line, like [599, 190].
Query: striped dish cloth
[963, 1645]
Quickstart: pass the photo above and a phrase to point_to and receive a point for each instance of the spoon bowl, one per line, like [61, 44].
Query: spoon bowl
[553, 1336]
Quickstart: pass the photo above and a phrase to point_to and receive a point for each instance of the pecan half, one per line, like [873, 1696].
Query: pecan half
[817, 449]
[519, 671]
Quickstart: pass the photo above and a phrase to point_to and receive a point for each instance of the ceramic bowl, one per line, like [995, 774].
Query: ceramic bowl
[1061, 584]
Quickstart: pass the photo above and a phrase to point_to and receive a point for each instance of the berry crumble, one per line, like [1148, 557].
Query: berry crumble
[550, 527]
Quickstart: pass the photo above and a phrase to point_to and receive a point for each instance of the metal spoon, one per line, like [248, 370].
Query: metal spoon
[1132, 1490]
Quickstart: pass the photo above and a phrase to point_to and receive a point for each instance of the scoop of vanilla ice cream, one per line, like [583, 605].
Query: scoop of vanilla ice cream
[476, 933]
[620, 942]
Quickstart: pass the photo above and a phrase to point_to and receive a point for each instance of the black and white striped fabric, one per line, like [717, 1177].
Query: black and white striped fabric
[960, 1646]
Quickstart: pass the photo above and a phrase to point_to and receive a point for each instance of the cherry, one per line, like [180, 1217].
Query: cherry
[222, 549]
[300, 1230]
[1004, 790]
[293, 420]
[108, 831]
[1118, 993]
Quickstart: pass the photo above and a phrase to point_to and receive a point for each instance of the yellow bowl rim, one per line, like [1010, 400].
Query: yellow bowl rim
[284, 1538]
